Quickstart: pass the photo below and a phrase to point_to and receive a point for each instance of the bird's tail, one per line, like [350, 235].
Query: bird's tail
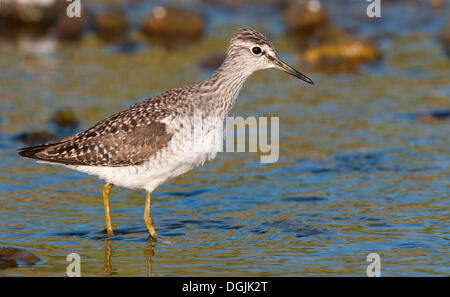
[33, 151]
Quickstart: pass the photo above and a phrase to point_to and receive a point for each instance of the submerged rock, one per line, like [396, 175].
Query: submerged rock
[366, 162]
[13, 257]
[445, 39]
[171, 26]
[34, 138]
[126, 45]
[298, 228]
[63, 123]
[434, 116]
[64, 117]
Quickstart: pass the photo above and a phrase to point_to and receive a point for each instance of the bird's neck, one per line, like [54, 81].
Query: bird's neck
[224, 85]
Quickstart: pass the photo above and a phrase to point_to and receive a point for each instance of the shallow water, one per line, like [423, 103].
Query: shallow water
[358, 172]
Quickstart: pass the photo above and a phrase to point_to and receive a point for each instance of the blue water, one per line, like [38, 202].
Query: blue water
[359, 171]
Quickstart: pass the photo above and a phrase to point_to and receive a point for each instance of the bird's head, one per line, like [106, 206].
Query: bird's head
[250, 51]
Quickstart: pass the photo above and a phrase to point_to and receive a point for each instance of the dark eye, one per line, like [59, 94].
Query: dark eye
[256, 50]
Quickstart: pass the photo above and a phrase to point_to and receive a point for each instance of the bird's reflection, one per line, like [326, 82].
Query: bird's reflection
[148, 253]
[107, 260]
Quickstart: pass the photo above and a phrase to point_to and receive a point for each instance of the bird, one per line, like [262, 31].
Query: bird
[150, 142]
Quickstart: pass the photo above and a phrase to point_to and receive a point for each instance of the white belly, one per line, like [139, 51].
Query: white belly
[181, 155]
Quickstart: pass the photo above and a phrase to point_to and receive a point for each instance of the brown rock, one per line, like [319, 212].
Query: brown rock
[170, 26]
[304, 16]
[38, 12]
[329, 34]
[64, 117]
[342, 56]
[71, 28]
[333, 50]
[110, 25]
[434, 116]
[445, 39]
[437, 4]
[13, 257]
[33, 138]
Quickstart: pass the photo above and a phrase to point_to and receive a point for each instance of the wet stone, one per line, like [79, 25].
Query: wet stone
[126, 46]
[445, 39]
[341, 57]
[71, 28]
[363, 162]
[110, 25]
[381, 224]
[325, 47]
[303, 17]
[437, 4]
[296, 227]
[36, 12]
[169, 26]
[304, 199]
[64, 117]
[434, 116]
[367, 162]
[34, 138]
[336, 50]
[14, 257]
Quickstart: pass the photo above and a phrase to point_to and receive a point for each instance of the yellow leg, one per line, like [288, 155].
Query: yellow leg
[106, 190]
[147, 217]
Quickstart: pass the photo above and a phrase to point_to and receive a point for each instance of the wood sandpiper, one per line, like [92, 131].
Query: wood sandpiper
[144, 145]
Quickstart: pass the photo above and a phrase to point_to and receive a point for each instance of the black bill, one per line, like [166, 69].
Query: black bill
[288, 69]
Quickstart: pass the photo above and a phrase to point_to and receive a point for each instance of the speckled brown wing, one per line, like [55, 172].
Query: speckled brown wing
[120, 149]
[129, 137]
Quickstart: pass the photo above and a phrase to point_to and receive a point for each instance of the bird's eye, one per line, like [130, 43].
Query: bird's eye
[256, 50]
